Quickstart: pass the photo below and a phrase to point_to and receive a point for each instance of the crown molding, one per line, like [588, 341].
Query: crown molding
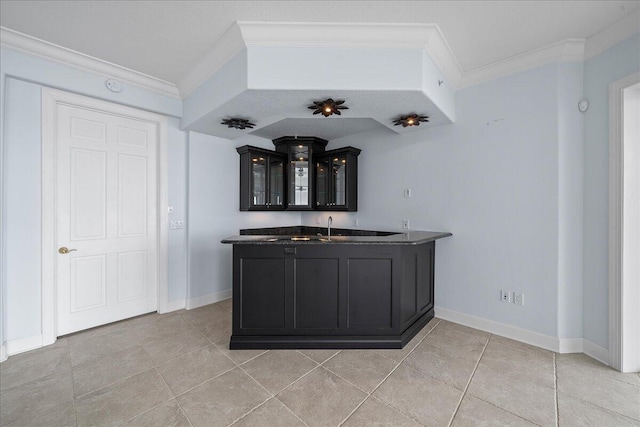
[570, 50]
[224, 49]
[621, 30]
[323, 34]
[33, 46]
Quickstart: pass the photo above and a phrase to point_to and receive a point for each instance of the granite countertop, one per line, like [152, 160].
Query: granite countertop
[398, 238]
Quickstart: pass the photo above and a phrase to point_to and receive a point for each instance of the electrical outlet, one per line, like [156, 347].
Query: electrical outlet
[405, 224]
[504, 296]
[407, 193]
[355, 221]
[318, 219]
[170, 209]
[518, 299]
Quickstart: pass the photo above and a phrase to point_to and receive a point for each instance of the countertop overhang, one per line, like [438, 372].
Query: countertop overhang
[400, 238]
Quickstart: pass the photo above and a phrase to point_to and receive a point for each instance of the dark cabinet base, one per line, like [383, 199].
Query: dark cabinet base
[253, 342]
[330, 295]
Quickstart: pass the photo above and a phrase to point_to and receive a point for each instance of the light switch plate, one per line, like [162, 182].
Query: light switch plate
[176, 224]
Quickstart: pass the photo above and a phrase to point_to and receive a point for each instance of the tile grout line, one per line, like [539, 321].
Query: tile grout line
[555, 388]
[288, 409]
[73, 386]
[202, 383]
[355, 409]
[609, 410]
[153, 407]
[255, 408]
[271, 395]
[274, 395]
[183, 412]
[398, 365]
[464, 392]
[388, 375]
[118, 381]
[491, 403]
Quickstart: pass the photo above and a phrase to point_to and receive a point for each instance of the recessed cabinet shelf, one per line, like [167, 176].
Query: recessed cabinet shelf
[301, 153]
[299, 175]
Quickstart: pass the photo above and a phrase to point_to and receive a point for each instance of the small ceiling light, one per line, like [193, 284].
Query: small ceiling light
[328, 107]
[410, 120]
[237, 123]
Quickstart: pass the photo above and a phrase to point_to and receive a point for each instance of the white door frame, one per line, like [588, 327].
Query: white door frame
[616, 217]
[50, 99]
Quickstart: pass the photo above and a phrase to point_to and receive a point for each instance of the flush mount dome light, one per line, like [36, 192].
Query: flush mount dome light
[238, 123]
[328, 107]
[410, 120]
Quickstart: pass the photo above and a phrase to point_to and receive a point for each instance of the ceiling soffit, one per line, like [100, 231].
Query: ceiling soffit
[427, 37]
[267, 84]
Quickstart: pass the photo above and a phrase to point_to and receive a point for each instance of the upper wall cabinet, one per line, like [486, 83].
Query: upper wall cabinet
[300, 175]
[337, 180]
[301, 152]
[262, 179]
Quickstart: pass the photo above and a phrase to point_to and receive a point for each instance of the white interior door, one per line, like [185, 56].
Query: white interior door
[106, 216]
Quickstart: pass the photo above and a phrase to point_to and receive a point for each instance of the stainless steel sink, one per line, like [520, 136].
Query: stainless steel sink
[306, 238]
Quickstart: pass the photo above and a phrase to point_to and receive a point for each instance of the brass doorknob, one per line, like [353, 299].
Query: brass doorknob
[63, 250]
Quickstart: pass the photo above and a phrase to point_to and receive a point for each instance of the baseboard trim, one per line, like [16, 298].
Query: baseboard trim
[24, 344]
[569, 345]
[175, 305]
[3, 353]
[208, 299]
[594, 351]
[558, 345]
[518, 334]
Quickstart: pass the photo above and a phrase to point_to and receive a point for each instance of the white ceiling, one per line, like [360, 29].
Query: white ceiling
[167, 39]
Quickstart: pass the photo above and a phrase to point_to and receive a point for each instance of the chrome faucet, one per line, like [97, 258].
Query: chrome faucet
[329, 222]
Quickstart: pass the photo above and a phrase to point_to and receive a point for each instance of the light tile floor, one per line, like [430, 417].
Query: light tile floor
[176, 370]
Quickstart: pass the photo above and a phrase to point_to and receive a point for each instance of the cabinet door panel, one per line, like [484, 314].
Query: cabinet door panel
[262, 289]
[409, 287]
[369, 284]
[339, 181]
[316, 293]
[258, 180]
[276, 182]
[424, 279]
[323, 195]
[299, 176]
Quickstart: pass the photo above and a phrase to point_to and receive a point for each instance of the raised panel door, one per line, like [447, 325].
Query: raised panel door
[106, 216]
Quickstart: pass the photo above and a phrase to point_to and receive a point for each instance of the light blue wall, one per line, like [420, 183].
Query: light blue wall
[21, 230]
[214, 168]
[570, 199]
[492, 179]
[23, 77]
[507, 179]
[177, 268]
[599, 71]
[218, 89]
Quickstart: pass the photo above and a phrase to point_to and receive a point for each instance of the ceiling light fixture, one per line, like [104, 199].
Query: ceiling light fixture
[410, 120]
[237, 123]
[328, 107]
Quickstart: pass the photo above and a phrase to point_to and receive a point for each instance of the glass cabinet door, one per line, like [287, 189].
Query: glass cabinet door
[276, 184]
[299, 176]
[339, 181]
[259, 180]
[323, 172]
